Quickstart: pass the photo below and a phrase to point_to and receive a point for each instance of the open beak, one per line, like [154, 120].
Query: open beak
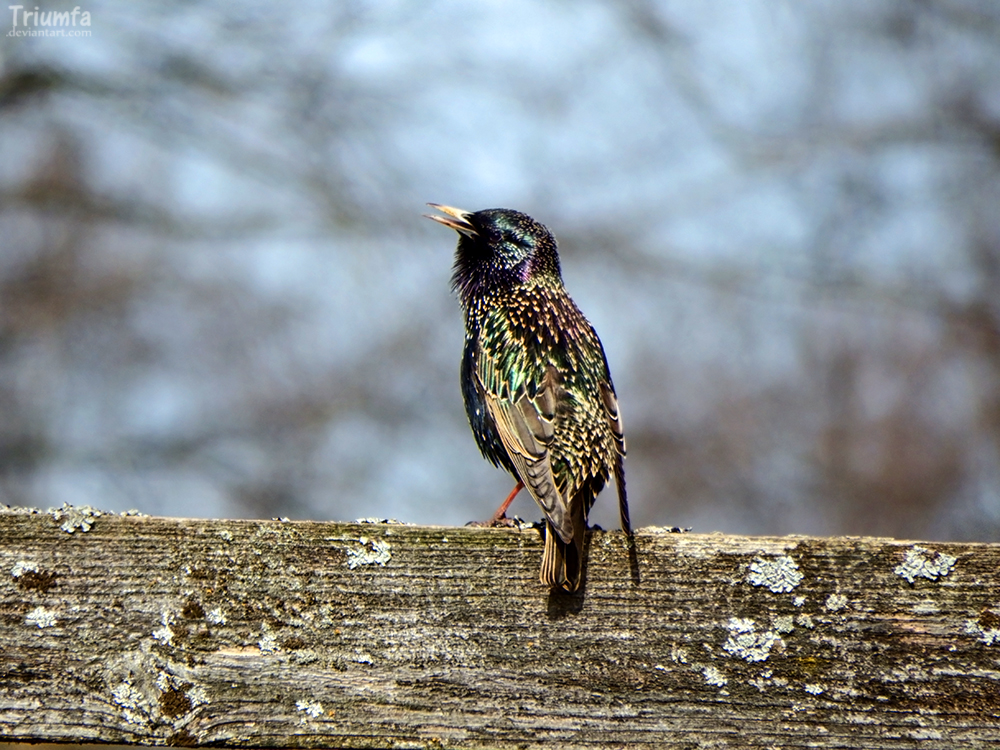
[457, 219]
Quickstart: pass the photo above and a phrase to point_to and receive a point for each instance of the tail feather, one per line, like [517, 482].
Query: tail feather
[633, 555]
[562, 562]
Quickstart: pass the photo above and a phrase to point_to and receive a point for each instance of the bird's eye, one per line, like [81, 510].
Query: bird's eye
[516, 239]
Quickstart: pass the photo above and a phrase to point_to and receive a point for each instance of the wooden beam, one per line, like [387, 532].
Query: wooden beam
[296, 634]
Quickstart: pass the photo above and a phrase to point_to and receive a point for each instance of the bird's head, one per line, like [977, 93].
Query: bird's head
[498, 249]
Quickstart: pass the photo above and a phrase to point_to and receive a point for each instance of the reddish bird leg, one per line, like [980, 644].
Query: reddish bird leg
[501, 513]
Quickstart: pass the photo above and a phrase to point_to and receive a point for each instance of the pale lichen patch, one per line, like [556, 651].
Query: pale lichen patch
[135, 708]
[41, 617]
[216, 616]
[813, 688]
[268, 643]
[989, 636]
[21, 567]
[678, 654]
[917, 563]
[746, 642]
[311, 708]
[73, 517]
[778, 574]
[150, 690]
[836, 602]
[714, 677]
[197, 695]
[784, 624]
[372, 552]
[164, 634]
[17, 510]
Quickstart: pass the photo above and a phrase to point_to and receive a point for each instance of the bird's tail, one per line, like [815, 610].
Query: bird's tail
[633, 555]
[623, 513]
[562, 562]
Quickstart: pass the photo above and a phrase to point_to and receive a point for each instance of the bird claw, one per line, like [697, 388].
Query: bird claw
[495, 523]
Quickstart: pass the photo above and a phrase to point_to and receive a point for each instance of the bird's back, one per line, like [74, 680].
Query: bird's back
[534, 334]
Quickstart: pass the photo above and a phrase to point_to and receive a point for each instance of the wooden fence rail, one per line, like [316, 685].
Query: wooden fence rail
[166, 631]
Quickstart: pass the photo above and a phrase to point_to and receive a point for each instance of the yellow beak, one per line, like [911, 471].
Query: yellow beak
[457, 219]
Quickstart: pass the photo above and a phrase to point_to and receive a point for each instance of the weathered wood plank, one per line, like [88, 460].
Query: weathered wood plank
[299, 634]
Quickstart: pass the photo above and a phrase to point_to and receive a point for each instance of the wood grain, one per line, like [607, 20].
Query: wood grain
[300, 634]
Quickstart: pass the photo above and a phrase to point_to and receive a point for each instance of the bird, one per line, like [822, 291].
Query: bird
[535, 380]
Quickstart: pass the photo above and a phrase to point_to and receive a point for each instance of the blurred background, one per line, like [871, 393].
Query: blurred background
[218, 296]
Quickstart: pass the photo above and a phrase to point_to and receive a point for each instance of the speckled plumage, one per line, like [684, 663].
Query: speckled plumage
[535, 379]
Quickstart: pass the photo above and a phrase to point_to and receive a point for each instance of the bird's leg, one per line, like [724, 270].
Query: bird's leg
[501, 513]
[500, 517]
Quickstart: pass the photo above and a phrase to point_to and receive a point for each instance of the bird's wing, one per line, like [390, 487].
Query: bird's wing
[524, 414]
[610, 401]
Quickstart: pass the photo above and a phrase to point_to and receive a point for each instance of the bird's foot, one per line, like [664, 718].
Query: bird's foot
[500, 520]
[497, 522]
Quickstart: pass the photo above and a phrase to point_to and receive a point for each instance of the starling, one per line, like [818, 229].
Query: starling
[535, 379]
